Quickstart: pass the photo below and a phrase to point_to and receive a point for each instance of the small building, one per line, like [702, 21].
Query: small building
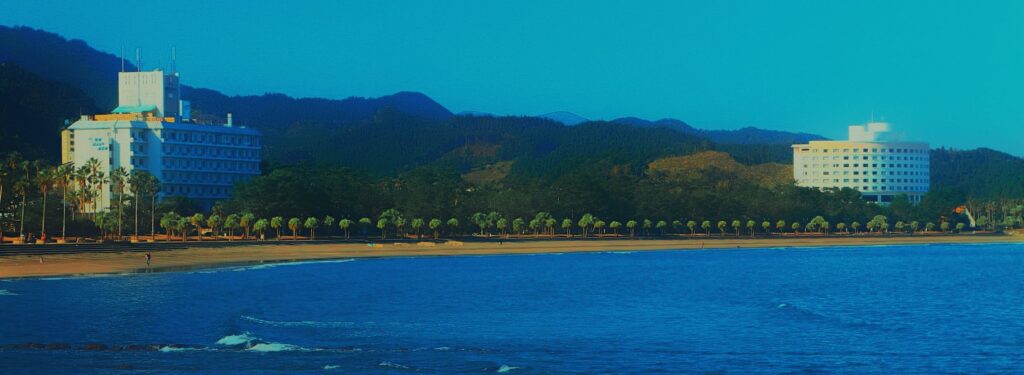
[873, 161]
[151, 130]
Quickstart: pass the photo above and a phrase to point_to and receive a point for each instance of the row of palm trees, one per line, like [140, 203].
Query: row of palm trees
[81, 191]
[393, 222]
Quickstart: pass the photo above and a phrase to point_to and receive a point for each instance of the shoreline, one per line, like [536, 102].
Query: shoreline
[85, 264]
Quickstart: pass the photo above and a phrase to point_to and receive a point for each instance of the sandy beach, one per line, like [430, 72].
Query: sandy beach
[267, 252]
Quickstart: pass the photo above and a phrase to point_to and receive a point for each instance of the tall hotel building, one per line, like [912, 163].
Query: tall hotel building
[872, 161]
[151, 130]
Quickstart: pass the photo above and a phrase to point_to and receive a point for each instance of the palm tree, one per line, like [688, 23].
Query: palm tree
[276, 222]
[599, 226]
[417, 225]
[780, 225]
[856, 226]
[567, 226]
[750, 227]
[736, 227]
[94, 177]
[706, 226]
[197, 221]
[328, 223]
[137, 184]
[44, 180]
[260, 226]
[480, 219]
[311, 224]
[631, 225]
[382, 225]
[614, 226]
[929, 227]
[721, 227]
[586, 221]
[647, 226]
[182, 225]
[365, 223]
[118, 179]
[9, 165]
[796, 227]
[453, 226]
[435, 226]
[345, 224]
[152, 188]
[293, 224]
[692, 225]
[246, 221]
[767, 227]
[841, 226]
[231, 223]
[214, 222]
[63, 179]
[661, 225]
[169, 222]
[21, 187]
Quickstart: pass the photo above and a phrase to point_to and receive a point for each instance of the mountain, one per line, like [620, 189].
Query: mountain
[982, 174]
[75, 63]
[33, 110]
[566, 118]
[747, 135]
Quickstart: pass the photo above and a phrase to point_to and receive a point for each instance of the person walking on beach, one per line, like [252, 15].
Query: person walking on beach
[149, 258]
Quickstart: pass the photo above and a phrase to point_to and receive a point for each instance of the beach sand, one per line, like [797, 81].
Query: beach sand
[266, 252]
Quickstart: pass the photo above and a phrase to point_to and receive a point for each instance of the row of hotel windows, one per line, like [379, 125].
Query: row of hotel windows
[874, 180]
[866, 173]
[883, 150]
[195, 190]
[857, 165]
[220, 165]
[212, 178]
[889, 188]
[210, 151]
[874, 157]
[199, 137]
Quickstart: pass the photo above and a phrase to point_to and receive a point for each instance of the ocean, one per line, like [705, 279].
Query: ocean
[899, 309]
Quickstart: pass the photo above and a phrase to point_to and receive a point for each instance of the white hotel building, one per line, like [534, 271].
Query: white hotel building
[872, 161]
[151, 130]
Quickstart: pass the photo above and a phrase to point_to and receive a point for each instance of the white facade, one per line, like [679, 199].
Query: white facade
[871, 162]
[200, 162]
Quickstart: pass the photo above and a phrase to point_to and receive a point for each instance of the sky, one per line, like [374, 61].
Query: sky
[944, 72]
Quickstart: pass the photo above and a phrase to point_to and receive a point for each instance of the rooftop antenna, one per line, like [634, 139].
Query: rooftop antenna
[174, 61]
[122, 58]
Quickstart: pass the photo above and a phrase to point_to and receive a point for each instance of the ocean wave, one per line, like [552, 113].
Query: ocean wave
[393, 365]
[5, 292]
[268, 347]
[303, 323]
[506, 368]
[331, 367]
[283, 264]
[236, 340]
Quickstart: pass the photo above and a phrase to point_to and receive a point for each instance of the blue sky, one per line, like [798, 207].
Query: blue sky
[946, 72]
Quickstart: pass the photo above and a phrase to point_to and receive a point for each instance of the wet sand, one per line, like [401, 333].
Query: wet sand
[267, 252]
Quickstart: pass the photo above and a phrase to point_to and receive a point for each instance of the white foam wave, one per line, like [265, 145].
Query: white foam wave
[331, 367]
[236, 340]
[172, 349]
[442, 348]
[274, 347]
[506, 368]
[5, 292]
[284, 264]
[392, 365]
[302, 323]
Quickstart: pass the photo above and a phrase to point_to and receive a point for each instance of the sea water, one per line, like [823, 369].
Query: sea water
[904, 309]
